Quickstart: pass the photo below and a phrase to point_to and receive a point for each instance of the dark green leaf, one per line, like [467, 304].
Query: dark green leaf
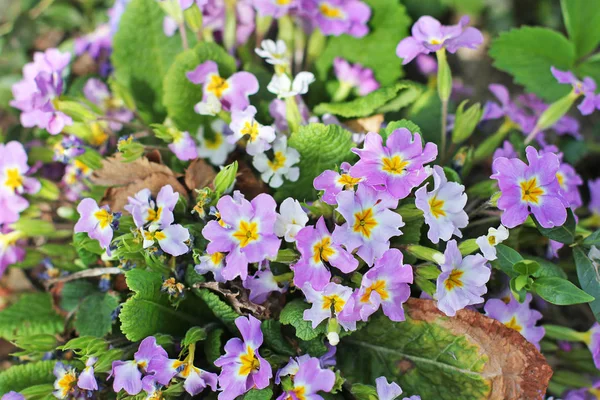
[274, 339]
[589, 278]
[507, 257]
[564, 233]
[95, 314]
[593, 239]
[560, 291]
[526, 267]
[262, 394]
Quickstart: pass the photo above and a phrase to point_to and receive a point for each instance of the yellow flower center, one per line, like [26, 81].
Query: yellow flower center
[250, 129]
[99, 136]
[453, 280]
[157, 235]
[561, 179]
[364, 222]
[283, 2]
[67, 383]
[249, 362]
[104, 218]
[82, 167]
[216, 258]
[377, 286]
[247, 233]
[394, 165]
[530, 191]
[329, 11]
[154, 215]
[14, 179]
[348, 181]
[437, 207]
[217, 86]
[213, 143]
[492, 240]
[334, 301]
[278, 161]
[323, 250]
[513, 324]
[299, 392]
[435, 42]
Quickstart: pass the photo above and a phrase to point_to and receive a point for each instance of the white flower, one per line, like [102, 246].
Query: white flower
[273, 52]
[273, 171]
[487, 243]
[282, 86]
[290, 220]
[215, 147]
[212, 106]
[244, 124]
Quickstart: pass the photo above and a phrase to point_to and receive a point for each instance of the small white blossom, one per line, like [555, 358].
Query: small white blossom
[259, 136]
[211, 106]
[282, 85]
[214, 147]
[273, 171]
[290, 220]
[487, 243]
[273, 52]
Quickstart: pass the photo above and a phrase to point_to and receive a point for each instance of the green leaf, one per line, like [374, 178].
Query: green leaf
[413, 221]
[74, 292]
[321, 147]
[364, 392]
[526, 267]
[213, 345]
[19, 377]
[262, 394]
[370, 104]
[431, 355]
[219, 308]
[589, 278]
[507, 257]
[388, 25]
[564, 233]
[593, 239]
[94, 315]
[271, 330]
[582, 20]
[528, 53]
[590, 67]
[547, 268]
[292, 314]
[31, 314]
[149, 311]
[181, 95]
[193, 335]
[142, 54]
[560, 291]
[403, 123]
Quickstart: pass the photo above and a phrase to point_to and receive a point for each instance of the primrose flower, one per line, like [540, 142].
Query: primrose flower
[566, 125]
[68, 148]
[214, 145]
[243, 125]
[592, 340]
[212, 263]
[338, 17]
[274, 53]
[65, 384]
[385, 390]
[369, 222]
[10, 251]
[73, 182]
[281, 166]
[128, 374]
[328, 302]
[532, 188]
[149, 212]
[396, 167]
[594, 187]
[261, 285]
[98, 222]
[277, 110]
[332, 182]
[443, 207]
[429, 36]
[12, 395]
[507, 108]
[273, 8]
[355, 76]
[171, 239]
[183, 146]
[242, 366]
[97, 92]
[487, 243]
[462, 281]
[569, 182]
[232, 92]
[507, 150]
[290, 220]
[96, 43]
[309, 379]
[87, 380]
[282, 86]
[318, 250]
[245, 232]
[585, 88]
[385, 285]
[517, 316]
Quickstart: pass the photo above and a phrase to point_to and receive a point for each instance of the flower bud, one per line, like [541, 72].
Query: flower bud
[444, 77]
[426, 253]
[193, 18]
[466, 121]
[225, 178]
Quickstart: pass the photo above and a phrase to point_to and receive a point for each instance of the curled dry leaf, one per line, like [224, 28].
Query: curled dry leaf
[469, 356]
[248, 182]
[237, 297]
[199, 174]
[367, 124]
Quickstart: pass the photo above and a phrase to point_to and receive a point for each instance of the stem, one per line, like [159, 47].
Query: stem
[444, 128]
[183, 34]
[88, 273]
[342, 92]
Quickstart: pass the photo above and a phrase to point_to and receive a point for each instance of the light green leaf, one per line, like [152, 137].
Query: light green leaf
[403, 123]
[292, 314]
[31, 314]
[589, 278]
[19, 377]
[582, 20]
[560, 291]
[590, 67]
[364, 392]
[528, 53]
[507, 257]
[526, 267]
[262, 394]
[94, 315]
[193, 335]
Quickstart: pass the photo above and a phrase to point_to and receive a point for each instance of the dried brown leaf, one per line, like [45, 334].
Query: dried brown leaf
[248, 182]
[199, 174]
[367, 124]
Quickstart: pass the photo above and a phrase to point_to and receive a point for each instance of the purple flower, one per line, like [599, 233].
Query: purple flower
[87, 380]
[13, 396]
[592, 339]
[171, 239]
[427, 65]
[385, 390]
[443, 207]
[309, 379]
[10, 251]
[274, 8]
[212, 263]
[507, 151]
[586, 393]
[242, 366]
[507, 108]
[97, 92]
[147, 212]
[97, 43]
[261, 285]
[428, 36]
[243, 124]
[385, 285]
[317, 247]
[398, 166]
[65, 384]
[517, 316]
[369, 222]
[355, 76]
[277, 110]
[569, 182]
[97, 222]
[128, 374]
[532, 188]
[232, 92]
[68, 148]
[585, 88]
[337, 17]
[462, 281]
[567, 125]
[332, 182]
[332, 301]
[183, 146]
[594, 187]
[245, 231]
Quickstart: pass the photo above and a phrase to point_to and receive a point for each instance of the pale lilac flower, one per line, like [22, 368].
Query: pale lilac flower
[11, 251]
[183, 146]
[443, 207]
[232, 92]
[261, 285]
[214, 145]
[585, 88]
[98, 222]
[333, 182]
[462, 281]
[147, 211]
[318, 250]
[273, 171]
[308, 380]
[428, 36]
[396, 167]
[86, 379]
[586, 393]
[355, 76]
[68, 148]
[369, 222]
[274, 8]
[290, 220]
[487, 243]
[243, 124]
[96, 43]
[507, 108]
[517, 316]
[594, 187]
[386, 390]
[13, 396]
[327, 303]
[214, 14]
[338, 17]
[282, 86]
[171, 239]
[98, 93]
[242, 366]
[65, 384]
[569, 182]
[427, 65]
[592, 339]
[385, 285]
[73, 181]
[274, 53]
[212, 263]
[278, 110]
[532, 188]
[292, 367]
[244, 231]
[507, 150]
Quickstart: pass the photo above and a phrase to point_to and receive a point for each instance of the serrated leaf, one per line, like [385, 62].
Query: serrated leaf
[564, 233]
[589, 278]
[528, 53]
[321, 147]
[403, 123]
[74, 292]
[259, 394]
[219, 308]
[292, 314]
[560, 291]
[19, 377]
[467, 357]
[273, 338]
[31, 314]
[181, 95]
[194, 335]
[582, 20]
[95, 314]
